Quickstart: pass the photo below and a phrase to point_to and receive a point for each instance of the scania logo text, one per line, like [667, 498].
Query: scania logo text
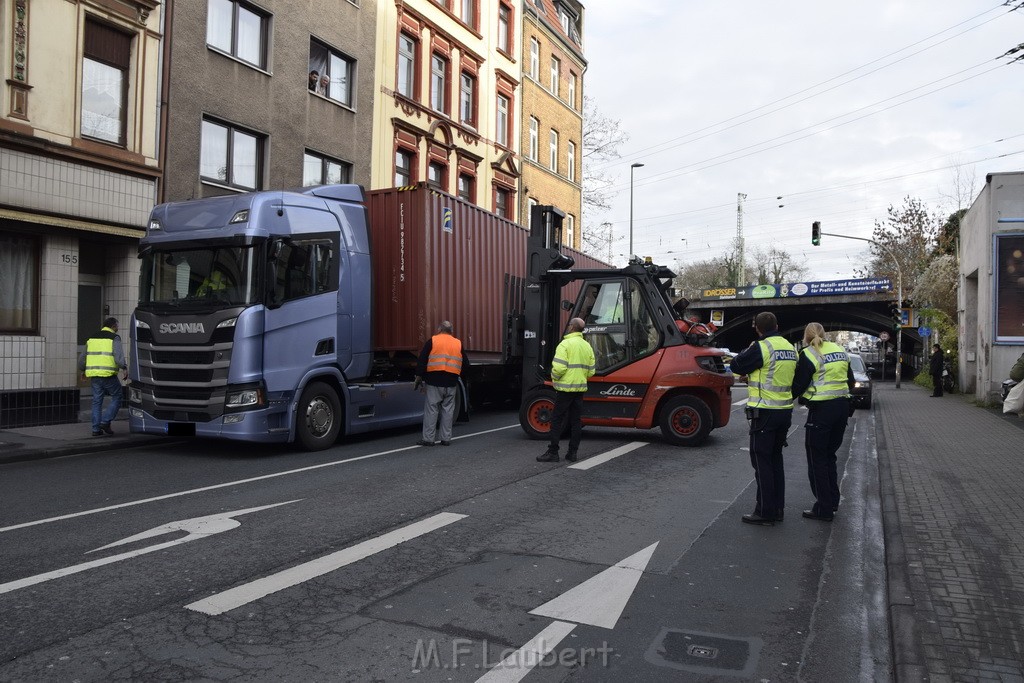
[617, 390]
[187, 328]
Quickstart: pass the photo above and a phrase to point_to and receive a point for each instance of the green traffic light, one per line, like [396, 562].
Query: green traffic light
[816, 233]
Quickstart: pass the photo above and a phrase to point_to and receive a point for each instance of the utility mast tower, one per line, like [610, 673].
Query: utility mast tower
[741, 269]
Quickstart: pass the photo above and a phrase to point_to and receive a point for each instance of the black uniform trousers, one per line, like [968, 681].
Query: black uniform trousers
[767, 437]
[826, 424]
[937, 383]
[568, 406]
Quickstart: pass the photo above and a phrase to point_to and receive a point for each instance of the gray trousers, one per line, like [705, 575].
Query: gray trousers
[439, 399]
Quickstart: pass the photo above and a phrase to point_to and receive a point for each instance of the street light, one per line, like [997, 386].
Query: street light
[636, 164]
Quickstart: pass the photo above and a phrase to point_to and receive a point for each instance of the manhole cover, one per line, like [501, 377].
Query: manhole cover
[704, 653]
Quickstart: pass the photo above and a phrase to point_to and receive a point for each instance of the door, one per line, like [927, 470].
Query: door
[90, 314]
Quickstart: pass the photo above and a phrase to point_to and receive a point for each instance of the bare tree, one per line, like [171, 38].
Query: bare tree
[937, 286]
[775, 266]
[909, 235]
[602, 138]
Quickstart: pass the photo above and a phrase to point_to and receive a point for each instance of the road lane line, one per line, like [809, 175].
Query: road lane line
[214, 487]
[740, 403]
[517, 665]
[605, 457]
[249, 592]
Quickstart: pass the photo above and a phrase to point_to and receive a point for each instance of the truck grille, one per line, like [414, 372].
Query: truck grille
[184, 382]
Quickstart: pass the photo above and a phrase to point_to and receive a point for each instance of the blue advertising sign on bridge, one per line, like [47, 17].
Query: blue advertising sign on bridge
[798, 289]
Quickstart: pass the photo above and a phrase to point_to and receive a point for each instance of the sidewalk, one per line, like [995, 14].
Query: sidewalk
[952, 479]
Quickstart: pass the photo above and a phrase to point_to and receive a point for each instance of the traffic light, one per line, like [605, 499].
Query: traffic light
[896, 312]
[816, 233]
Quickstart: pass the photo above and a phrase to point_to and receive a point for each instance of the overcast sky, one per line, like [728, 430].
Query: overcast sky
[840, 108]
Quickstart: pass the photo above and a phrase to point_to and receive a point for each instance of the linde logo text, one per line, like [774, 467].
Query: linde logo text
[617, 390]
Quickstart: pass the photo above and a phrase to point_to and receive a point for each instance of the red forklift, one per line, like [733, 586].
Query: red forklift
[650, 373]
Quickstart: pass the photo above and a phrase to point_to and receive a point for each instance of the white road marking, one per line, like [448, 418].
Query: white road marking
[214, 487]
[517, 665]
[199, 527]
[600, 600]
[740, 403]
[605, 457]
[246, 593]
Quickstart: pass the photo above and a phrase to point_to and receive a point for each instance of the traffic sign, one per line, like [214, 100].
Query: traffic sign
[717, 317]
[883, 335]
[924, 331]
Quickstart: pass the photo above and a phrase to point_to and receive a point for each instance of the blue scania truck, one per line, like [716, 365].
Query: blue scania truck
[281, 316]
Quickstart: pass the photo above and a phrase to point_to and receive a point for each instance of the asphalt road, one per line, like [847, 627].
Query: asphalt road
[381, 560]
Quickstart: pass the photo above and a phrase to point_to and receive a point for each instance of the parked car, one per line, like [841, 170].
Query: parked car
[862, 382]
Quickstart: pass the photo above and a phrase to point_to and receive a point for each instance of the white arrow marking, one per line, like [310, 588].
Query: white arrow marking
[197, 528]
[246, 593]
[605, 457]
[599, 601]
[515, 667]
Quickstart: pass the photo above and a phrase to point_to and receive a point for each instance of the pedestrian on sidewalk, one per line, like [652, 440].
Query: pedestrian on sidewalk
[571, 367]
[439, 367]
[935, 366]
[823, 382]
[768, 366]
[101, 363]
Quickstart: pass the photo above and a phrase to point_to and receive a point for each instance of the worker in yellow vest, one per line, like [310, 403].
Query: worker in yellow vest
[768, 366]
[101, 362]
[823, 382]
[440, 364]
[571, 368]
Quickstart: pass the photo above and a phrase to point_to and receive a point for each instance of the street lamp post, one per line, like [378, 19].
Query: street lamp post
[633, 166]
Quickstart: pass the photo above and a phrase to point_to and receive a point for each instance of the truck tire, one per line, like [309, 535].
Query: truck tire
[319, 417]
[685, 421]
[535, 413]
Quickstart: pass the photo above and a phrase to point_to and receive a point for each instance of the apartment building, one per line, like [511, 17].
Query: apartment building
[267, 94]
[552, 110]
[78, 176]
[447, 99]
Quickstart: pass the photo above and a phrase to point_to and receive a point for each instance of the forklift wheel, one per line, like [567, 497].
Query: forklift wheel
[686, 421]
[535, 413]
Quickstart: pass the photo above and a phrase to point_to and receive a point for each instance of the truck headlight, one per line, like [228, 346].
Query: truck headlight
[243, 397]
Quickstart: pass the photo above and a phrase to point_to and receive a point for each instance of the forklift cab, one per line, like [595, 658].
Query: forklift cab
[620, 328]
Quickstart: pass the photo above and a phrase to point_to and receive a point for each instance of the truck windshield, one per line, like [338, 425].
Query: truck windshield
[221, 276]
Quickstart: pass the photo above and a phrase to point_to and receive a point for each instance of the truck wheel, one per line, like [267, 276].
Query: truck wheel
[686, 421]
[319, 417]
[536, 412]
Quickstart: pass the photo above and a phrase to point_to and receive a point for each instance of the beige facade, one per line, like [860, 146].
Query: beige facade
[552, 113]
[78, 177]
[446, 107]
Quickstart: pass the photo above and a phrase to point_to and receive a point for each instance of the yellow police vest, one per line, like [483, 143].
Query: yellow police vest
[830, 372]
[771, 385]
[445, 354]
[99, 355]
[573, 364]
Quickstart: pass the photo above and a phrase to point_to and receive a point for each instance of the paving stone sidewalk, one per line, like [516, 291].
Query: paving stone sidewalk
[952, 477]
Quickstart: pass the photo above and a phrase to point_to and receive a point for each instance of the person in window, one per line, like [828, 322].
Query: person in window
[325, 85]
[314, 80]
[214, 285]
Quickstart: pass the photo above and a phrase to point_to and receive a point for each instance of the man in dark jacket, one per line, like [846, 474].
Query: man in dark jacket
[440, 364]
[935, 365]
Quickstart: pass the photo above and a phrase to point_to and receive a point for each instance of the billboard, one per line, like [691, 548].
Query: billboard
[799, 289]
[1008, 282]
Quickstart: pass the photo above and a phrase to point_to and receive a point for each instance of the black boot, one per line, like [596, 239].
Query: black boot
[548, 456]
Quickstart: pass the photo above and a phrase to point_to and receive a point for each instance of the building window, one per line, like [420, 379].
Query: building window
[501, 132]
[438, 84]
[553, 151]
[569, 231]
[406, 66]
[321, 170]
[501, 202]
[230, 155]
[467, 99]
[444, 3]
[335, 71]
[534, 139]
[572, 90]
[466, 187]
[534, 58]
[556, 69]
[106, 59]
[404, 168]
[570, 161]
[469, 13]
[505, 28]
[19, 278]
[530, 203]
[437, 175]
[238, 30]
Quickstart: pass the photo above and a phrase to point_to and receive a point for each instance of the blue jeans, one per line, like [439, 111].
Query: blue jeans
[105, 386]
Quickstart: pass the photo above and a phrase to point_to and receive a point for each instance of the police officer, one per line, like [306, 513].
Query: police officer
[440, 365]
[769, 365]
[571, 367]
[823, 381]
[103, 358]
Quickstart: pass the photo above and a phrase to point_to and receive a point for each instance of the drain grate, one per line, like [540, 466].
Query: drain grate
[704, 653]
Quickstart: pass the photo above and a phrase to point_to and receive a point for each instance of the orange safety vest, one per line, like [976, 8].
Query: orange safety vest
[445, 354]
